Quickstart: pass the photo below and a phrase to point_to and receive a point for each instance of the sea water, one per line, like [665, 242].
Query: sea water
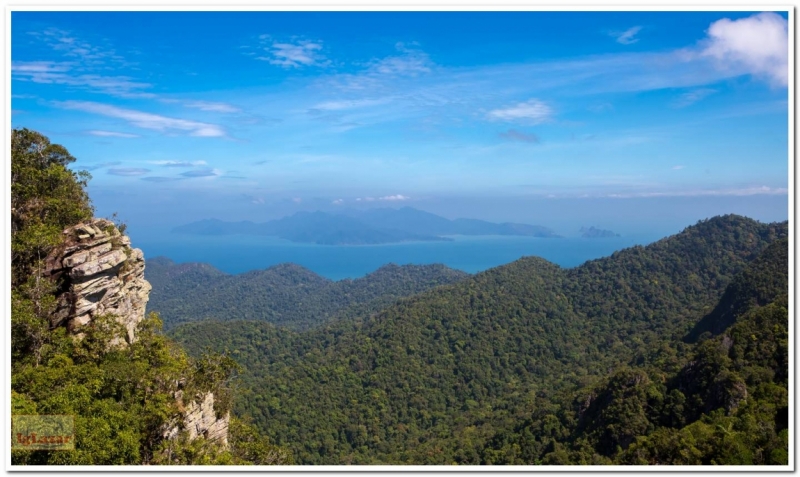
[240, 253]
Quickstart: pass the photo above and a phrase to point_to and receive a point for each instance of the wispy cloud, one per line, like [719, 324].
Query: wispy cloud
[92, 167]
[338, 202]
[49, 72]
[83, 68]
[201, 173]
[292, 54]
[210, 106]
[179, 163]
[533, 111]
[78, 49]
[759, 44]
[514, 135]
[346, 104]
[379, 73]
[128, 171]
[146, 120]
[739, 192]
[410, 62]
[96, 132]
[393, 198]
[677, 168]
[626, 37]
[690, 97]
[161, 179]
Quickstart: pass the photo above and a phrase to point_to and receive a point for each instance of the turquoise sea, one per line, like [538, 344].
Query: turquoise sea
[240, 253]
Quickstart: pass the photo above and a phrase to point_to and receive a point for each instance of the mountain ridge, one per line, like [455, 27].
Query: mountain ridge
[442, 376]
[286, 294]
[353, 227]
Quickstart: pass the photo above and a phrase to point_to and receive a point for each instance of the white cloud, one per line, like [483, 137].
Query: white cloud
[179, 163]
[49, 72]
[677, 168]
[341, 105]
[146, 120]
[84, 69]
[691, 97]
[379, 73]
[111, 134]
[338, 202]
[42, 67]
[392, 197]
[293, 55]
[758, 44]
[71, 46]
[627, 37]
[533, 111]
[212, 106]
[410, 62]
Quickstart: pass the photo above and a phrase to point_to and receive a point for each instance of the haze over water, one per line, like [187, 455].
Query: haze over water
[239, 253]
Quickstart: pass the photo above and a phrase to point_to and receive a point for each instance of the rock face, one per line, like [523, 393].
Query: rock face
[200, 420]
[98, 273]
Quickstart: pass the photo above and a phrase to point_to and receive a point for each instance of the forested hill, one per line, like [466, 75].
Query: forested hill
[504, 366]
[81, 346]
[285, 295]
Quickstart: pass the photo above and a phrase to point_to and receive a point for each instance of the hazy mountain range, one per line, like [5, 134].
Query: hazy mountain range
[593, 232]
[353, 227]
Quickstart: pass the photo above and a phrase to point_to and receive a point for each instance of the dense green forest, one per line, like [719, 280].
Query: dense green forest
[286, 295]
[670, 353]
[122, 397]
[673, 353]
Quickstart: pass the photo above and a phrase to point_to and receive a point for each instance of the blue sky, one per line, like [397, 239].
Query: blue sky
[496, 115]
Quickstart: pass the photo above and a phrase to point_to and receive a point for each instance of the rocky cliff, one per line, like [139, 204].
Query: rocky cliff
[98, 273]
[200, 420]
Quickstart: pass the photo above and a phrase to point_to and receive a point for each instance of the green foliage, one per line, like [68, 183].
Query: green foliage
[525, 363]
[46, 197]
[248, 446]
[764, 279]
[122, 396]
[286, 295]
[512, 366]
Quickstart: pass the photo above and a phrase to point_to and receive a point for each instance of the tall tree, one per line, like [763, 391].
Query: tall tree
[46, 197]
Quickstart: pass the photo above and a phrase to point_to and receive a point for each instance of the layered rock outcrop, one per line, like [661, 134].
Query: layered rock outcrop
[200, 420]
[98, 273]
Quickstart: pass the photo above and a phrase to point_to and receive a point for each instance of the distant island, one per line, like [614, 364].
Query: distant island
[370, 227]
[593, 232]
